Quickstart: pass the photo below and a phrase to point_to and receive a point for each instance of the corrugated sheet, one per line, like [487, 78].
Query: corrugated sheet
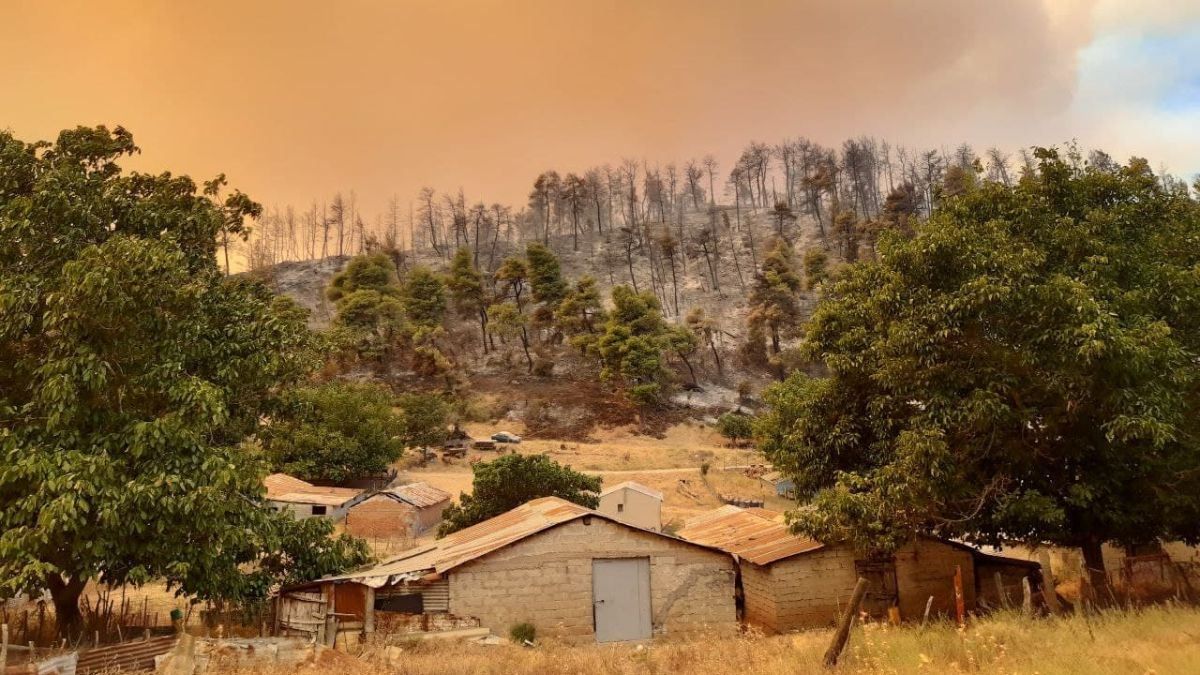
[636, 487]
[284, 488]
[420, 495]
[476, 541]
[758, 536]
[137, 655]
[281, 483]
[318, 496]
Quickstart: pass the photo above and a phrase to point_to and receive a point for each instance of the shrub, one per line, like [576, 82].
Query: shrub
[522, 633]
[737, 426]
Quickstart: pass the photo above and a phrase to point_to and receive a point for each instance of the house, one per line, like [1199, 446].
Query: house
[403, 512]
[633, 503]
[783, 486]
[305, 500]
[569, 571]
[789, 581]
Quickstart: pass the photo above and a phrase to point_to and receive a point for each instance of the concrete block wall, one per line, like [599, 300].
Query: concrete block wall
[546, 580]
[758, 593]
[926, 568]
[812, 589]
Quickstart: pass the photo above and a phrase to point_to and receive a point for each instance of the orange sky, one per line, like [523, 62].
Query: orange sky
[297, 99]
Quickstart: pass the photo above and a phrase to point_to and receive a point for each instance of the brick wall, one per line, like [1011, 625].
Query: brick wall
[546, 580]
[382, 517]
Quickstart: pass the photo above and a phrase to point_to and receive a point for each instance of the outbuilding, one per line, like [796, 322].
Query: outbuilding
[402, 512]
[633, 503]
[792, 582]
[567, 570]
[305, 500]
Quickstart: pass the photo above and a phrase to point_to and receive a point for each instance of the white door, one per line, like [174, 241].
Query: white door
[621, 598]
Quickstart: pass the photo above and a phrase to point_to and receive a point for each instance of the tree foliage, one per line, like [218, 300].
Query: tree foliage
[1026, 367]
[335, 431]
[509, 481]
[130, 373]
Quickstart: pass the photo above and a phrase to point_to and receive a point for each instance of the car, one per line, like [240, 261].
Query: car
[505, 437]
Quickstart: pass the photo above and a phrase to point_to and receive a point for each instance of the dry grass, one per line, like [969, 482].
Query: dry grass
[1158, 640]
[621, 454]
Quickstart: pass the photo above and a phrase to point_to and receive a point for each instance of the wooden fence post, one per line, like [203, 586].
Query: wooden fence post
[1027, 597]
[843, 630]
[1003, 595]
[960, 608]
[928, 606]
[3, 647]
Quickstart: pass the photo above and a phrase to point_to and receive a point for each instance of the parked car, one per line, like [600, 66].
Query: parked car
[505, 437]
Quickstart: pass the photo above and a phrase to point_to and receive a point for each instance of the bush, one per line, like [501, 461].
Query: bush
[737, 426]
[522, 633]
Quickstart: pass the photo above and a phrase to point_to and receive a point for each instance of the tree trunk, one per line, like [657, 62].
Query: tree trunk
[1093, 560]
[66, 604]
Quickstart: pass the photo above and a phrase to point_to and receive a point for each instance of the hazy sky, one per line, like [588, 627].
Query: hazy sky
[297, 99]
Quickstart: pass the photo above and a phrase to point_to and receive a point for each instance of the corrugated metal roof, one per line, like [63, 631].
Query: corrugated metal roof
[636, 487]
[326, 496]
[281, 483]
[759, 536]
[284, 488]
[479, 540]
[419, 495]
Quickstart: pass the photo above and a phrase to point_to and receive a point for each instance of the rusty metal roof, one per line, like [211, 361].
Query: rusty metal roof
[759, 536]
[281, 483]
[478, 540]
[419, 495]
[284, 488]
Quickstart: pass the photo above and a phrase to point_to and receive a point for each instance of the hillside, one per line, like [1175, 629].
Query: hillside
[719, 285]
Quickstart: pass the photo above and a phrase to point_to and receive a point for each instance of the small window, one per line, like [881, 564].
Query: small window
[620, 508]
[318, 510]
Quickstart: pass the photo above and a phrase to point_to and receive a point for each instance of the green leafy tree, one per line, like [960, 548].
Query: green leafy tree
[371, 272]
[1026, 367]
[509, 481]
[467, 292]
[423, 419]
[631, 347]
[131, 370]
[545, 276]
[736, 425]
[370, 321]
[773, 307]
[580, 311]
[509, 322]
[816, 268]
[335, 431]
[424, 297]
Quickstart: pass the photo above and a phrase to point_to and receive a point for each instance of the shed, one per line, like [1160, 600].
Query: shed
[783, 486]
[790, 581]
[305, 500]
[402, 512]
[569, 571]
[633, 503]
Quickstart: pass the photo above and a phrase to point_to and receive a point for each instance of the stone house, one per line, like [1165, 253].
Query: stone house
[633, 503]
[790, 582]
[403, 512]
[305, 500]
[569, 571]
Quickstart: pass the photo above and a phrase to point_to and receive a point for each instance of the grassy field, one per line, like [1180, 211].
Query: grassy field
[1158, 640]
[670, 464]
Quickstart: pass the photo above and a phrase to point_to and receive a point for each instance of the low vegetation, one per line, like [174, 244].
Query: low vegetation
[1156, 640]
